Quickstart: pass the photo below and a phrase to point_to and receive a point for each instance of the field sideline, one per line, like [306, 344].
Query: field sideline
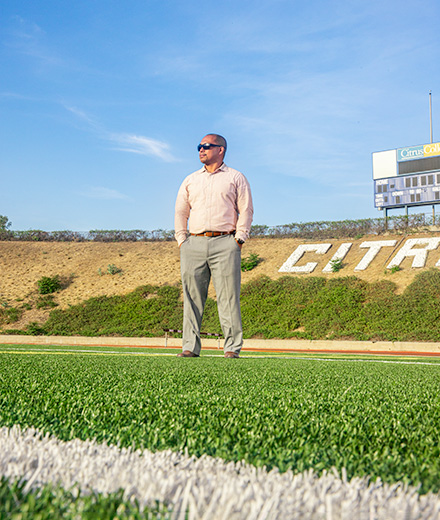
[398, 348]
[397, 358]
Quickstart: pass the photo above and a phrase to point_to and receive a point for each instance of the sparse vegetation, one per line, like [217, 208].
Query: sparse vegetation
[49, 284]
[46, 302]
[9, 314]
[113, 269]
[336, 265]
[249, 262]
[392, 270]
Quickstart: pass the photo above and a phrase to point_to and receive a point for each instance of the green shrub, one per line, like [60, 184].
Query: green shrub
[9, 314]
[274, 308]
[251, 261]
[144, 312]
[46, 302]
[335, 308]
[49, 284]
[112, 269]
[336, 265]
[35, 329]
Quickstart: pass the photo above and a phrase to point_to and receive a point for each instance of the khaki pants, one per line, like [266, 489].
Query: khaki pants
[201, 258]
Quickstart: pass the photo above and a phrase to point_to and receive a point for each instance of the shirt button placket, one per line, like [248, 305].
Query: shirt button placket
[209, 204]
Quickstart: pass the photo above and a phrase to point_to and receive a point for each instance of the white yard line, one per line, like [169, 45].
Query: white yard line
[208, 488]
[73, 350]
[36, 350]
[393, 362]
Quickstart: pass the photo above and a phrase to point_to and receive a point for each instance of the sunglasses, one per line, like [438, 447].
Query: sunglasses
[207, 146]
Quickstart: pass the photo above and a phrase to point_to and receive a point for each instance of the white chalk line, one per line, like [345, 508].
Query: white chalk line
[73, 350]
[205, 487]
[364, 360]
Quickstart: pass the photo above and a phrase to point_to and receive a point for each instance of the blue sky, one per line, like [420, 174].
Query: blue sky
[102, 104]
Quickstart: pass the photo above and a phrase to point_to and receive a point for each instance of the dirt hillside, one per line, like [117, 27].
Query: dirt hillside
[83, 267]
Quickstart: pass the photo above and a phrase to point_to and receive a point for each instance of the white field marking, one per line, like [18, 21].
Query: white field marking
[280, 355]
[393, 362]
[38, 350]
[205, 487]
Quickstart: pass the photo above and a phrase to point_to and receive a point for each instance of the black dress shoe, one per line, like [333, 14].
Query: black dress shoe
[187, 353]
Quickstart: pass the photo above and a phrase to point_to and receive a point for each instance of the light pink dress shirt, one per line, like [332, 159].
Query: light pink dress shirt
[219, 201]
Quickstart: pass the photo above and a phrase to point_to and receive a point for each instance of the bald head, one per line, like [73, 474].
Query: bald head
[219, 139]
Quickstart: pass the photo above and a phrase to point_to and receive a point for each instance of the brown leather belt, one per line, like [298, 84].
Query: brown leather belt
[212, 233]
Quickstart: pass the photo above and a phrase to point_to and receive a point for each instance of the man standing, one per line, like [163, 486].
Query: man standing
[215, 203]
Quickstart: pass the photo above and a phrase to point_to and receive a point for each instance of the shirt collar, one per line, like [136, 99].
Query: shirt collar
[222, 168]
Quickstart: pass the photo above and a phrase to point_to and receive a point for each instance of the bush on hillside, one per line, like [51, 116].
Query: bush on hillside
[144, 312]
[290, 307]
[49, 284]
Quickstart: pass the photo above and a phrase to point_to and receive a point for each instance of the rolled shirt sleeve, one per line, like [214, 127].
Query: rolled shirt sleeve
[245, 209]
[181, 214]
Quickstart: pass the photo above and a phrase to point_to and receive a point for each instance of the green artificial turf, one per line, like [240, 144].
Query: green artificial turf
[373, 419]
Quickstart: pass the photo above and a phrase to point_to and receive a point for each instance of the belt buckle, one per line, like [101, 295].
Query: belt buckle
[214, 233]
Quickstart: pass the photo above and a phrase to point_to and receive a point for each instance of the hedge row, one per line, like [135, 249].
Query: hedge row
[310, 230]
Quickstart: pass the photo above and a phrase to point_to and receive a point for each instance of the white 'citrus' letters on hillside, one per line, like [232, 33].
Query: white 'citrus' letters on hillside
[419, 253]
[409, 249]
[289, 265]
[373, 249]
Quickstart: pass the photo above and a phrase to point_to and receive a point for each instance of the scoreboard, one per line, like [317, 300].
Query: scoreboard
[407, 176]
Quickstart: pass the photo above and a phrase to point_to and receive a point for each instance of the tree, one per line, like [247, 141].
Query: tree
[4, 223]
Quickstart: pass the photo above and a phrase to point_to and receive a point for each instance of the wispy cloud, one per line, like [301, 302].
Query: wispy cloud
[80, 114]
[126, 142]
[102, 193]
[143, 146]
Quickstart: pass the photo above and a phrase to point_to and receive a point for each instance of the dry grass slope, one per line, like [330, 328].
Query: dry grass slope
[83, 267]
